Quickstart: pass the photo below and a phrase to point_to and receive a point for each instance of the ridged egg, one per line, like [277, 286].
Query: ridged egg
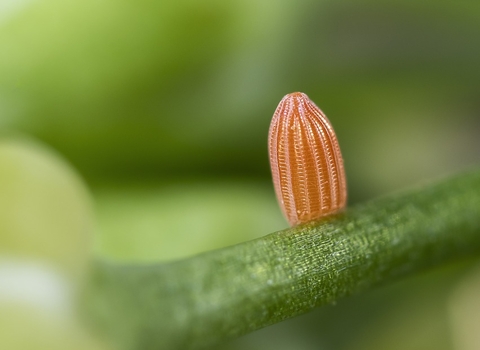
[306, 162]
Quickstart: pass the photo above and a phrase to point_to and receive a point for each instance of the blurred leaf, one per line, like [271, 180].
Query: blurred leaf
[164, 217]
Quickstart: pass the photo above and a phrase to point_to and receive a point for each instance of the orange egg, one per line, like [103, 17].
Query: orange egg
[307, 166]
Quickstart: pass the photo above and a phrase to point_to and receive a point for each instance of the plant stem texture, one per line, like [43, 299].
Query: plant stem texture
[204, 300]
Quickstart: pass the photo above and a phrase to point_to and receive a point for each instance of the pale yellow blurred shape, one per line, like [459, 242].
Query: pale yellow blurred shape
[45, 211]
[465, 312]
[45, 226]
[26, 328]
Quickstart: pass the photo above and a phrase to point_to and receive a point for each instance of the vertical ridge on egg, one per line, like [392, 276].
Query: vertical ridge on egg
[307, 166]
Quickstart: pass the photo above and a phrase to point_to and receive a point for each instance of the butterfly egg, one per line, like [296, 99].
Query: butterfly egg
[307, 166]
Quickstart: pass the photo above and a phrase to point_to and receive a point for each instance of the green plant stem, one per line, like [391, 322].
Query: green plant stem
[203, 300]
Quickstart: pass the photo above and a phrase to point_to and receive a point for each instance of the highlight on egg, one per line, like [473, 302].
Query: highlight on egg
[307, 166]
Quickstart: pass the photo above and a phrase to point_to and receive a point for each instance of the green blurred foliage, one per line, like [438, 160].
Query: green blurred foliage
[164, 107]
[166, 89]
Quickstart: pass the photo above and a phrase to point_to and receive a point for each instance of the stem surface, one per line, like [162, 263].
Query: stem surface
[201, 301]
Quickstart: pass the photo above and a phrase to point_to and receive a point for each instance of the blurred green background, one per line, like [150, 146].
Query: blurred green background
[163, 108]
